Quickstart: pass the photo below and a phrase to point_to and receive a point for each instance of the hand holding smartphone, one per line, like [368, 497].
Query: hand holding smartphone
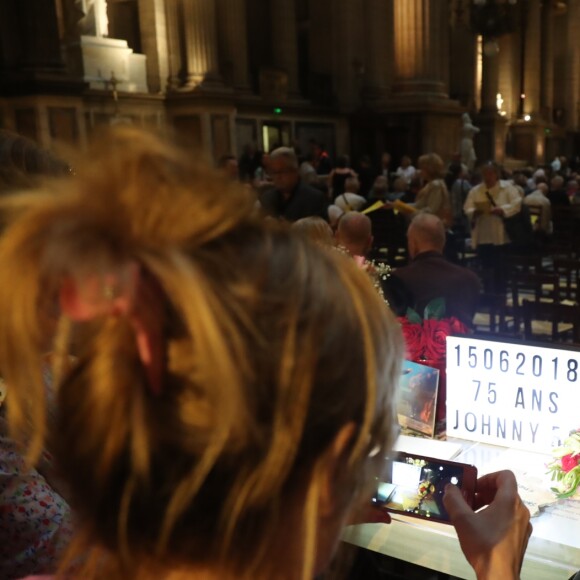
[414, 485]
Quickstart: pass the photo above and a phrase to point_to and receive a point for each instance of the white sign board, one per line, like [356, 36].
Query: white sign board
[512, 395]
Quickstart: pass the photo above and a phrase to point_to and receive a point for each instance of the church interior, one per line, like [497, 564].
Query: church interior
[360, 76]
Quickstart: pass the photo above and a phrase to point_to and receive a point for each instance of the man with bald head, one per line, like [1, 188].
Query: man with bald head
[354, 233]
[429, 275]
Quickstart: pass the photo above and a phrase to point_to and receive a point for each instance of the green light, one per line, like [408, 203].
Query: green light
[277, 111]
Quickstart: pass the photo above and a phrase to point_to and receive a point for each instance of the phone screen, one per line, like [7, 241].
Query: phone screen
[415, 485]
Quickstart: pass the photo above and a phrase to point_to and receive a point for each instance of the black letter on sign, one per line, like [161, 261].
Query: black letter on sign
[456, 421]
[536, 400]
[520, 398]
[474, 422]
[554, 406]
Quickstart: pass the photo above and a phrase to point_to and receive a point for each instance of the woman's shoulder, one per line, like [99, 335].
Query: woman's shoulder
[436, 185]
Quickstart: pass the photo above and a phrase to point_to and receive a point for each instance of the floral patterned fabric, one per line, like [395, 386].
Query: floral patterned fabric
[34, 519]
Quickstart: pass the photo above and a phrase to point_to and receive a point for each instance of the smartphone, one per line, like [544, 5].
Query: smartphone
[414, 485]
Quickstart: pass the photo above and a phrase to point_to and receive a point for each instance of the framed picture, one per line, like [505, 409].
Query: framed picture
[418, 398]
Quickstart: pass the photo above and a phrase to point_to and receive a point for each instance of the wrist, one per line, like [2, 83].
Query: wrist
[495, 568]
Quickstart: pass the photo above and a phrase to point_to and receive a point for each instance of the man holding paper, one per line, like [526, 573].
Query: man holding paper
[486, 206]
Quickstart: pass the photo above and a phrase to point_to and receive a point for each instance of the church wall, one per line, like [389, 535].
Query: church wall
[347, 92]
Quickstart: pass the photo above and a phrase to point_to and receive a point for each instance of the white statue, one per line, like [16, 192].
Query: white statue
[94, 21]
[468, 131]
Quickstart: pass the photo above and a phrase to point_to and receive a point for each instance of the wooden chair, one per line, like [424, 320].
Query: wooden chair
[490, 316]
[556, 249]
[563, 321]
[568, 271]
[523, 264]
[389, 232]
[544, 287]
[566, 222]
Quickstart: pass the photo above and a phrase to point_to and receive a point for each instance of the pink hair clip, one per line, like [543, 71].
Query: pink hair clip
[129, 291]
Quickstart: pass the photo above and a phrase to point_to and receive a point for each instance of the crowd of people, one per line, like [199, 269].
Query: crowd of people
[211, 391]
[490, 209]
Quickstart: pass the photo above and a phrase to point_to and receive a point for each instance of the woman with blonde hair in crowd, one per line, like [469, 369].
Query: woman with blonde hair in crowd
[228, 399]
[434, 196]
[315, 229]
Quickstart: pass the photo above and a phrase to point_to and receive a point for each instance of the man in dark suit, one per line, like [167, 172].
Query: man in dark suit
[291, 199]
[429, 275]
[557, 194]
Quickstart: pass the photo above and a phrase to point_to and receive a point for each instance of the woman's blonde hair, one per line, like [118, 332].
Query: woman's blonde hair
[272, 344]
[315, 229]
[432, 164]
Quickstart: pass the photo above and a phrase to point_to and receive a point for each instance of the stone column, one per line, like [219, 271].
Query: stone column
[346, 63]
[175, 63]
[232, 31]
[462, 61]
[199, 17]
[420, 58]
[285, 40]
[532, 60]
[38, 36]
[489, 83]
[509, 74]
[154, 40]
[490, 143]
[376, 47]
[573, 65]
[547, 70]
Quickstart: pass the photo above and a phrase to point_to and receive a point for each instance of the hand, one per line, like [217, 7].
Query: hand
[370, 514]
[497, 211]
[495, 539]
[388, 205]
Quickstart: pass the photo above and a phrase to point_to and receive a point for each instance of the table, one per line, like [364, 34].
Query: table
[553, 551]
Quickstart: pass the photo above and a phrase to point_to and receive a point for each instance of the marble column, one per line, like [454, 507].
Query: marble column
[420, 57]
[547, 70]
[489, 83]
[285, 40]
[173, 18]
[232, 32]
[201, 49]
[533, 59]
[376, 47]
